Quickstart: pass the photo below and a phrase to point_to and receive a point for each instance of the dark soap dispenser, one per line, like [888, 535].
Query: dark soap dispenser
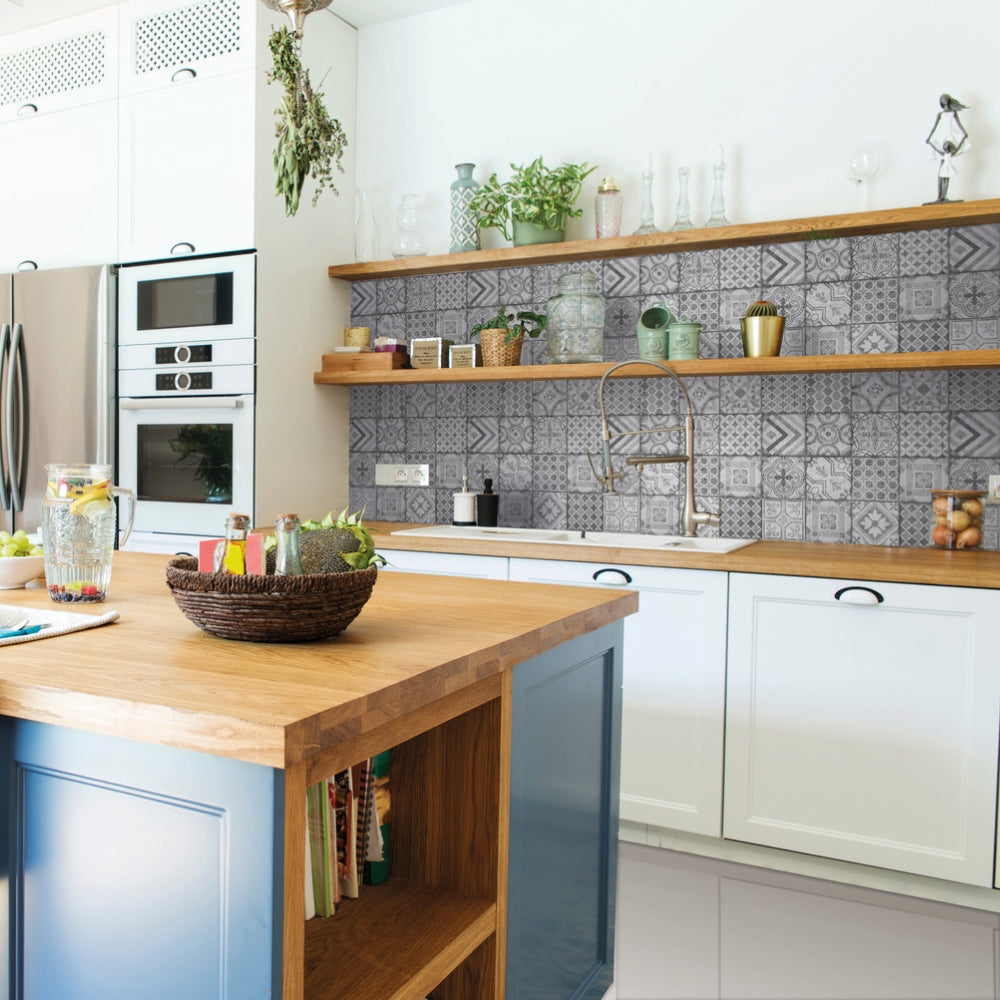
[487, 506]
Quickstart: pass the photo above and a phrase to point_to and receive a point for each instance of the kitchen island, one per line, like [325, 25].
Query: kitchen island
[194, 754]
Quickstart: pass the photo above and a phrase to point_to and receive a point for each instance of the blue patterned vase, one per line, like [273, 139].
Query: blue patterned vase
[464, 224]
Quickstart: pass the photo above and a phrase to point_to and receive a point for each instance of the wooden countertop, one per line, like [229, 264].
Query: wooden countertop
[952, 568]
[155, 676]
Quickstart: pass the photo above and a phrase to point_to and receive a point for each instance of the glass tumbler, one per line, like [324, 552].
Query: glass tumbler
[78, 531]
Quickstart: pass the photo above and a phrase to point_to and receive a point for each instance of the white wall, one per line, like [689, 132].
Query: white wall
[788, 88]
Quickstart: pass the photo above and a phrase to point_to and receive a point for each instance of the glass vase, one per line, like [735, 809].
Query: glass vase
[683, 220]
[409, 240]
[575, 329]
[464, 225]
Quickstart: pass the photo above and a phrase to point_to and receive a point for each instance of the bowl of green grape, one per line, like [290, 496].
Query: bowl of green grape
[20, 560]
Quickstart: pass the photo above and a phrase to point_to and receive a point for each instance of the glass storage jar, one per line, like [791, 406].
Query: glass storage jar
[958, 518]
[575, 320]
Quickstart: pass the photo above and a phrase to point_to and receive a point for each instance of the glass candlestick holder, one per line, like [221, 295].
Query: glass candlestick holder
[646, 221]
[717, 209]
[683, 218]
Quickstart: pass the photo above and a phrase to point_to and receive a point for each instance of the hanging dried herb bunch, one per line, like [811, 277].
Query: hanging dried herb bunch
[310, 142]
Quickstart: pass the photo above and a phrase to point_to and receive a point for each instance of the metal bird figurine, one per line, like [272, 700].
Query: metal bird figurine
[948, 139]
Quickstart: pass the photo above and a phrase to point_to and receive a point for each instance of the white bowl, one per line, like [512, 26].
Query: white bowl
[16, 571]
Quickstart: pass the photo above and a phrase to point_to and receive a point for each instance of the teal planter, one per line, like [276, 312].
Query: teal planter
[527, 234]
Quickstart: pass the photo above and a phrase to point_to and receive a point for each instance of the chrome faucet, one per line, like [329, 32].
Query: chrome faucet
[691, 517]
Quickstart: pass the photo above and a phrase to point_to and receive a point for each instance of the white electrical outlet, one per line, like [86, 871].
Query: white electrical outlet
[993, 496]
[387, 474]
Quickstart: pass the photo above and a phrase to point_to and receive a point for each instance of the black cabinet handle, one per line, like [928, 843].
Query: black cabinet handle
[179, 248]
[858, 595]
[184, 73]
[611, 569]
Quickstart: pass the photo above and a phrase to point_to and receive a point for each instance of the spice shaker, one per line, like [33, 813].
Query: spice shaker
[608, 209]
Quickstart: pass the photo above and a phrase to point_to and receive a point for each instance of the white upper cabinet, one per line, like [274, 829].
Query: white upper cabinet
[186, 169]
[56, 66]
[166, 42]
[59, 174]
[864, 731]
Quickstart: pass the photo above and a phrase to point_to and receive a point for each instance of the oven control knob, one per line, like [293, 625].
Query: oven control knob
[182, 355]
[183, 380]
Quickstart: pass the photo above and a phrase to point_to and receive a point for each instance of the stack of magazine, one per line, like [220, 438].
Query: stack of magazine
[342, 833]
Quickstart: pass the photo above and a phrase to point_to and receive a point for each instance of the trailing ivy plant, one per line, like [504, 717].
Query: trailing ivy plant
[538, 194]
[309, 141]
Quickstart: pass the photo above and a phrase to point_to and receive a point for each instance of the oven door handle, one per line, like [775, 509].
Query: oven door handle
[182, 403]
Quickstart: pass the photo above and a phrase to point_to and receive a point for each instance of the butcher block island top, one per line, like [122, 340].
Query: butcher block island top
[154, 676]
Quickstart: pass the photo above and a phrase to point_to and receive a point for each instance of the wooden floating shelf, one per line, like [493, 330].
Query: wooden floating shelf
[915, 361]
[935, 216]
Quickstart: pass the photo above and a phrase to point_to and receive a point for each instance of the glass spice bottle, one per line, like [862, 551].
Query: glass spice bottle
[287, 559]
[231, 556]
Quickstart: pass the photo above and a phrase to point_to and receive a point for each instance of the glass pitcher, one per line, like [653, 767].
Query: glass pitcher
[78, 530]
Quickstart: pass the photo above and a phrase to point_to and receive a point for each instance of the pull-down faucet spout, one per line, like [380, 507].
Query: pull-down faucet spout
[691, 517]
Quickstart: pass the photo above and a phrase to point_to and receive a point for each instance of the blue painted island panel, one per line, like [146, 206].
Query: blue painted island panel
[565, 756]
[139, 872]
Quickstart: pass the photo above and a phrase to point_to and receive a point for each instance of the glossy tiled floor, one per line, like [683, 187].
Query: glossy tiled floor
[691, 928]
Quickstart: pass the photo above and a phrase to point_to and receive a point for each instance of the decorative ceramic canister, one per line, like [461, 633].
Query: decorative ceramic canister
[651, 332]
[683, 340]
[575, 328]
[464, 227]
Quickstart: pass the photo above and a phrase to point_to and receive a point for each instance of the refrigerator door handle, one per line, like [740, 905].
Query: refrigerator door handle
[17, 422]
[5, 418]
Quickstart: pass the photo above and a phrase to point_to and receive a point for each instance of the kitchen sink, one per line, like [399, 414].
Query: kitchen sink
[613, 539]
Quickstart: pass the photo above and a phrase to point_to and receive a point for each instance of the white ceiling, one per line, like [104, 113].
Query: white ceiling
[17, 14]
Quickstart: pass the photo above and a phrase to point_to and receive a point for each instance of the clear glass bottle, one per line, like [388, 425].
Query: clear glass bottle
[575, 328]
[287, 559]
[608, 209]
[366, 243]
[717, 209]
[231, 555]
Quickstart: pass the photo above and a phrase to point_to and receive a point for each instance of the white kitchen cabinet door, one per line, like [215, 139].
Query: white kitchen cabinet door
[164, 41]
[58, 171]
[864, 732]
[674, 688]
[63, 64]
[187, 169]
[446, 564]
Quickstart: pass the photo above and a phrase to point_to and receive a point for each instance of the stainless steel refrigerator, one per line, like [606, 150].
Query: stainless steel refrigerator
[57, 384]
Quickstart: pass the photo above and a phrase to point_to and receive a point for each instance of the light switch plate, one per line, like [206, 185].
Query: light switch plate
[994, 490]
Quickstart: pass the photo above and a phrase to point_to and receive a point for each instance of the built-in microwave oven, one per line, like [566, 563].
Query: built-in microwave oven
[187, 301]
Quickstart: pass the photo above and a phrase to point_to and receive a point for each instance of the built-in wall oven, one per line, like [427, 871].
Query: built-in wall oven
[186, 384]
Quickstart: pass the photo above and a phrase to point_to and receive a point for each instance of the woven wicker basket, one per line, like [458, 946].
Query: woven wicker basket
[269, 608]
[496, 352]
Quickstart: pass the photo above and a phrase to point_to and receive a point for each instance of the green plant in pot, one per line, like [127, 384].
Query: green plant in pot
[534, 205]
[762, 329]
[503, 334]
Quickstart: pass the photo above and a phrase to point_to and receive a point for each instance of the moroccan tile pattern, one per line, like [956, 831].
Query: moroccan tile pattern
[820, 457]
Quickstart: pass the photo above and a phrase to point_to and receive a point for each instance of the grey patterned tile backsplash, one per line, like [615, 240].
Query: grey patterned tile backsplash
[816, 457]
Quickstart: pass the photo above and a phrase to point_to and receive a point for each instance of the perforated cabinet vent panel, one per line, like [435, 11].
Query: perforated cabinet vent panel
[187, 35]
[53, 68]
